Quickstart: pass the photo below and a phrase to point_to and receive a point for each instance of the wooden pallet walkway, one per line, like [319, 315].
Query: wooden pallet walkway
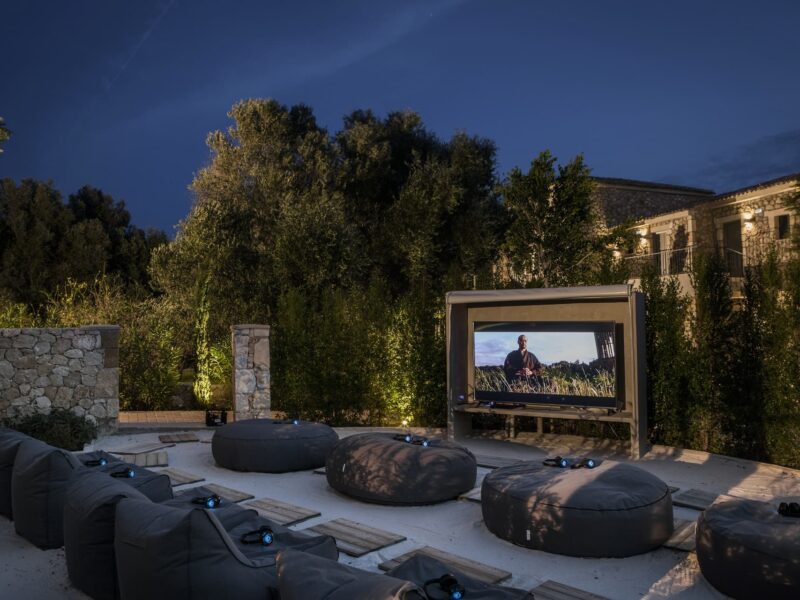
[142, 448]
[227, 493]
[683, 537]
[282, 512]
[552, 590]
[178, 438]
[695, 499]
[469, 567]
[354, 538]
[151, 459]
[177, 477]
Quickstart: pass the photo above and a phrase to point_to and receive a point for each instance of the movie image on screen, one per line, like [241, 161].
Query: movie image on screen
[546, 363]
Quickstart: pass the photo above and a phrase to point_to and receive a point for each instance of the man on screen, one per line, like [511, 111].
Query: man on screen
[521, 363]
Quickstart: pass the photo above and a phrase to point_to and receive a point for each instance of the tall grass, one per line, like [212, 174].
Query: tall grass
[553, 380]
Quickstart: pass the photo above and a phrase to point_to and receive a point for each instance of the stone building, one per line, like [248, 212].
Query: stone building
[675, 223]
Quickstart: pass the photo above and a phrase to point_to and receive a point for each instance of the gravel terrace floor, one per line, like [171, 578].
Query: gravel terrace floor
[455, 526]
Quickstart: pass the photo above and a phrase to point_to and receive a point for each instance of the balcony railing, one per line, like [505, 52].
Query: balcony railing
[666, 262]
[679, 260]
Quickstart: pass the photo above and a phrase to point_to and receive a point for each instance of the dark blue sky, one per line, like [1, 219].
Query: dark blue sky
[121, 94]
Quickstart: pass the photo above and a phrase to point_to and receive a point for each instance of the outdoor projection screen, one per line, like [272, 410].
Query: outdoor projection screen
[524, 362]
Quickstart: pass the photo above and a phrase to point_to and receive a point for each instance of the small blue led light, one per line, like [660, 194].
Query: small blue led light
[103, 462]
[590, 463]
[456, 596]
[266, 539]
[210, 503]
[425, 443]
[296, 422]
[408, 438]
[563, 463]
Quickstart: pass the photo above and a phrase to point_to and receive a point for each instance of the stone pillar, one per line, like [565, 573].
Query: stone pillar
[251, 396]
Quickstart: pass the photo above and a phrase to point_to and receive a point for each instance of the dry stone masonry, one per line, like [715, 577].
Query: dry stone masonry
[251, 383]
[74, 368]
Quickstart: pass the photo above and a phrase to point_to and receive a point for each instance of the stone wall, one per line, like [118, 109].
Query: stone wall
[251, 383]
[74, 368]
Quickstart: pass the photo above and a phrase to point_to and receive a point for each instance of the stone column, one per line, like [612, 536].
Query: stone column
[251, 396]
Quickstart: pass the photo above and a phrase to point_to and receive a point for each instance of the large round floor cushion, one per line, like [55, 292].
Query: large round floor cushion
[613, 510]
[272, 446]
[747, 550]
[378, 467]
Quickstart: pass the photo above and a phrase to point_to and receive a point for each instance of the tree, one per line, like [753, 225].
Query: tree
[554, 237]
[5, 133]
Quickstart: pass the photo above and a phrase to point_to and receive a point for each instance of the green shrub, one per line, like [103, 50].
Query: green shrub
[61, 428]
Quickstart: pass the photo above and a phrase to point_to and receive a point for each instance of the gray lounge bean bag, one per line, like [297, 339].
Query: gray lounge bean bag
[175, 552]
[302, 576]
[272, 446]
[89, 507]
[424, 570]
[377, 467]
[748, 551]
[89, 515]
[10, 440]
[613, 510]
[38, 481]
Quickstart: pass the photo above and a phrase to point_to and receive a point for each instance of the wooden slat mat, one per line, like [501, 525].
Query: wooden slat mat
[354, 538]
[227, 493]
[142, 448]
[493, 462]
[465, 565]
[177, 477]
[695, 499]
[552, 590]
[474, 495]
[683, 538]
[178, 438]
[151, 459]
[281, 512]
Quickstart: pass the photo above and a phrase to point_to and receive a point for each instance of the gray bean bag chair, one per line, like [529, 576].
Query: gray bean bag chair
[10, 440]
[89, 515]
[174, 552]
[38, 481]
[427, 572]
[747, 550]
[272, 446]
[613, 510]
[302, 576]
[380, 468]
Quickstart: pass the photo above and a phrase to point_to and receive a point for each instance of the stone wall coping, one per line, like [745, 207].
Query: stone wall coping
[235, 327]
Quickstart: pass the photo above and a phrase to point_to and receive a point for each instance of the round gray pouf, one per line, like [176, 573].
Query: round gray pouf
[272, 446]
[613, 510]
[747, 550]
[377, 467]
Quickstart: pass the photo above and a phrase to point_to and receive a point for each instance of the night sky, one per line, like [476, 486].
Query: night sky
[121, 94]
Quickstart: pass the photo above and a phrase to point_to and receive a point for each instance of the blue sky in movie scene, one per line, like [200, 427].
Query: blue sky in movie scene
[121, 95]
[492, 347]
